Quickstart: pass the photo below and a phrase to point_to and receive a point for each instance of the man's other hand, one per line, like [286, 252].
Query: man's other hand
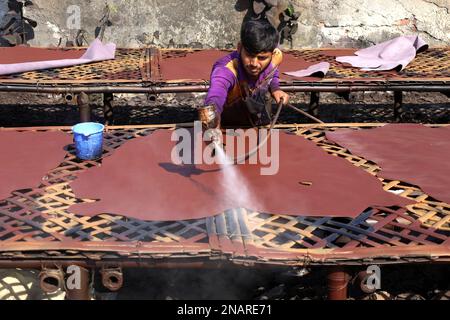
[279, 94]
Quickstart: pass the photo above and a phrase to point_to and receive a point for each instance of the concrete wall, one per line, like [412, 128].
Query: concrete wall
[363, 22]
[3, 7]
[215, 23]
[136, 22]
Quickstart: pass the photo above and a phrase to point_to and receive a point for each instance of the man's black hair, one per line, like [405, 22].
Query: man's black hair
[13, 5]
[258, 36]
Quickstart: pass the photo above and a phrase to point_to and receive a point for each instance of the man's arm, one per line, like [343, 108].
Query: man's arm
[222, 80]
[275, 83]
[277, 93]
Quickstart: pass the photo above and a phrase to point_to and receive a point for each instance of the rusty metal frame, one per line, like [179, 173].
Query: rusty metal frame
[425, 86]
[150, 79]
[36, 229]
[147, 79]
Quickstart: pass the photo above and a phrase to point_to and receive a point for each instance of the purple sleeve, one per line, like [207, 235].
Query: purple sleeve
[222, 80]
[275, 84]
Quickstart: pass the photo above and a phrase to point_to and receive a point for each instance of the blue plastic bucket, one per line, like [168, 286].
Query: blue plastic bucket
[88, 137]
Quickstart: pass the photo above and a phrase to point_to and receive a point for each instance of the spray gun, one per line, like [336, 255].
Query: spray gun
[210, 125]
[210, 122]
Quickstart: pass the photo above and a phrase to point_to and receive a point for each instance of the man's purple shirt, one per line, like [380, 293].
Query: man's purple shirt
[223, 80]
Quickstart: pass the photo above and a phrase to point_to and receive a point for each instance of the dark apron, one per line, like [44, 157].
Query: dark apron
[252, 111]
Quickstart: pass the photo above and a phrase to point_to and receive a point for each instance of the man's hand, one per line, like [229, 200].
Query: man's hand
[212, 129]
[279, 94]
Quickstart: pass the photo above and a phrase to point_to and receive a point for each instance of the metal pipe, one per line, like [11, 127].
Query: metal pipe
[344, 95]
[68, 97]
[152, 97]
[356, 87]
[181, 263]
[398, 106]
[360, 282]
[314, 104]
[306, 114]
[105, 89]
[112, 278]
[82, 291]
[38, 264]
[203, 88]
[108, 108]
[85, 109]
[337, 282]
[51, 280]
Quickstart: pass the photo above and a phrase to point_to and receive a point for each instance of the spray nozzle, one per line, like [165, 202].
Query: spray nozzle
[208, 117]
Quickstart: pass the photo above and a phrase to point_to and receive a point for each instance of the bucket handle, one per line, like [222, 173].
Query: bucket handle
[88, 134]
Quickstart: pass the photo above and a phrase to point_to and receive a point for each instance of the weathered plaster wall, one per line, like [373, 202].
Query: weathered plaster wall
[346, 23]
[138, 22]
[3, 7]
[215, 23]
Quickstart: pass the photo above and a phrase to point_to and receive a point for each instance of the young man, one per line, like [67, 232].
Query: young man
[244, 82]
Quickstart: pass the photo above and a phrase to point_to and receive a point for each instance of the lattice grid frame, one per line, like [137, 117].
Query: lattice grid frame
[41, 214]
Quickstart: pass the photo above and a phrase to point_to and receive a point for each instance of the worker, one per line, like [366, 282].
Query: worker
[245, 82]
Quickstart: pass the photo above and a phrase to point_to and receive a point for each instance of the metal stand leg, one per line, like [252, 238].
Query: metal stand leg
[314, 104]
[398, 106]
[85, 108]
[108, 111]
[360, 283]
[337, 283]
[81, 293]
[344, 95]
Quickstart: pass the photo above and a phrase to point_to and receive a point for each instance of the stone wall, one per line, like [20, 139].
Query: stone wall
[215, 23]
[347, 23]
[3, 8]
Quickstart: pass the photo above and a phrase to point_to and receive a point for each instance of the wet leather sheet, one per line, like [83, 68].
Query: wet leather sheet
[21, 54]
[412, 153]
[140, 180]
[394, 54]
[195, 65]
[26, 157]
[198, 65]
[30, 59]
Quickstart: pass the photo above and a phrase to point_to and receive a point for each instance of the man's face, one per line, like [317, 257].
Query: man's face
[254, 64]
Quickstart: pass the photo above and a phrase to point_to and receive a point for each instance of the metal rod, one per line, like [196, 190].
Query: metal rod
[337, 283]
[398, 106]
[104, 89]
[108, 108]
[38, 264]
[85, 109]
[355, 87]
[314, 104]
[306, 114]
[64, 89]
